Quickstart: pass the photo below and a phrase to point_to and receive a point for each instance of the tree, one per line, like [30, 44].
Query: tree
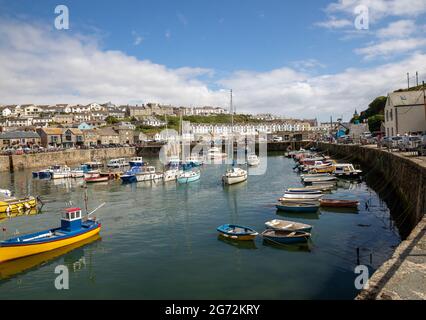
[374, 122]
[111, 120]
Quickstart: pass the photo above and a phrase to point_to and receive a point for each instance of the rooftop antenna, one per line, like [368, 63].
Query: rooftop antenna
[417, 78]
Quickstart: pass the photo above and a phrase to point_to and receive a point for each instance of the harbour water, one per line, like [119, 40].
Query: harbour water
[159, 241]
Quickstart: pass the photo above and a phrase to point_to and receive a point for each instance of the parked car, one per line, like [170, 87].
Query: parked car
[409, 143]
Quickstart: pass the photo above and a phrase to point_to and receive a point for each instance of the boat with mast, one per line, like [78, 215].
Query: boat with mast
[234, 175]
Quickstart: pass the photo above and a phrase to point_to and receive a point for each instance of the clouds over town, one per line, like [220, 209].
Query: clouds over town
[39, 64]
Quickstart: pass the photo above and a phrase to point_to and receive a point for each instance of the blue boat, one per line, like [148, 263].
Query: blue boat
[130, 175]
[285, 237]
[73, 229]
[45, 174]
[298, 207]
[189, 176]
[35, 174]
[237, 232]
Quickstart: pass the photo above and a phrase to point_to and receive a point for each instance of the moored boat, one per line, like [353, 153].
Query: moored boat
[72, 230]
[234, 176]
[325, 179]
[346, 170]
[285, 237]
[297, 207]
[237, 232]
[136, 162]
[12, 205]
[96, 179]
[313, 195]
[253, 160]
[287, 225]
[171, 175]
[337, 203]
[117, 163]
[5, 192]
[61, 173]
[189, 176]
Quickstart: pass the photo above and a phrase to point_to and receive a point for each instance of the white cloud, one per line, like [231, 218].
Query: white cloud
[379, 9]
[334, 23]
[398, 29]
[40, 65]
[285, 91]
[391, 47]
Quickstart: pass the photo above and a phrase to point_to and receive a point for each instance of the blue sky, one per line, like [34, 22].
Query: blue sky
[284, 57]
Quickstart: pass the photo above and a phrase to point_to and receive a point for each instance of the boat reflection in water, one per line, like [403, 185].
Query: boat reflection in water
[300, 247]
[236, 243]
[339, 210]
[30, 212]
[14, 267]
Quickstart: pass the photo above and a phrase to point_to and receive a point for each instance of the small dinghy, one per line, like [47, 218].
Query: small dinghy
[237, 232]
[96, 179]
[335, 203]
[298, 207]
[287, 225]
[285, 237]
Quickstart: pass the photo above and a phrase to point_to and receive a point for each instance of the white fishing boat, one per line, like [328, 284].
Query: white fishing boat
[171, 175]
[92, 174]
[253, 160]
[117, 163]
[92, 165]
[346, 170]
[61, 173]
[5, 193]
[302, 195]
[234, 176]
[148, 173]
[319, 179]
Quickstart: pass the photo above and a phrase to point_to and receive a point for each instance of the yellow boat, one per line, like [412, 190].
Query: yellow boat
[13, 205]
[72, 230]
[30, 212]
[13, 267]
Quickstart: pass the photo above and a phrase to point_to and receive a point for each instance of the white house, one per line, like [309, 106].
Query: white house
[405, 113]
[153, 122]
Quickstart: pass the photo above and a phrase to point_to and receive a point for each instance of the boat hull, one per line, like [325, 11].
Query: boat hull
[236, 232]
[18, 251]
[234, 180]
[96, 180]
[13, 206]
[297, 209]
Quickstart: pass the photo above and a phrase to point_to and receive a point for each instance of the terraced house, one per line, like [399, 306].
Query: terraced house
[50, 136]
[19, 139]
[72, 137]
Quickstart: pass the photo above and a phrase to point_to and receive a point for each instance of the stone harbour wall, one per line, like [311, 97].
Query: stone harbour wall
[67, 157]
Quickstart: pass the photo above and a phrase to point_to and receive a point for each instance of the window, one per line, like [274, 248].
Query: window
[387, 115]
[392, 132]
[72, 215]
[391, 117]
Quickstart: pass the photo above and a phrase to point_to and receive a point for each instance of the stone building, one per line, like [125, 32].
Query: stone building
[405, 113]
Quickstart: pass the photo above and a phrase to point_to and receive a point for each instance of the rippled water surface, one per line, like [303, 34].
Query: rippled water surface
[159, 241]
